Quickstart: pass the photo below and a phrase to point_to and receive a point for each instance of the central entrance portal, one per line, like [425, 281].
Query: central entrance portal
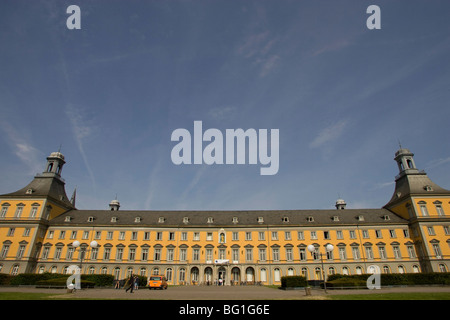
[222, 274]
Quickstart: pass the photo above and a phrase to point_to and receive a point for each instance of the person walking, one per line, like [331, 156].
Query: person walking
[136, 282]
[129, 284]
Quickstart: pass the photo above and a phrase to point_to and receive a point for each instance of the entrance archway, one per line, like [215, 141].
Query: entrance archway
[250, 275]
[222, 275]
[208, 276]
[236, 276]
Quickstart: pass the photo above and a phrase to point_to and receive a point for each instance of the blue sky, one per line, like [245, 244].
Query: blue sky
[341, 95]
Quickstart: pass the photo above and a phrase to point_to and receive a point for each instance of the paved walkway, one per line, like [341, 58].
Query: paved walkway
[212, 293]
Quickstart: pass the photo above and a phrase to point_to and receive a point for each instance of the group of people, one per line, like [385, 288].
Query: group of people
[132, 283]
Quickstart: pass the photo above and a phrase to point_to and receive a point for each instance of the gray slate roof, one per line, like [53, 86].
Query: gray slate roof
[225, 218]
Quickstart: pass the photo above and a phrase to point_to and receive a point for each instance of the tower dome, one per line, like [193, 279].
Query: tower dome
[340, 204]
[114, 205]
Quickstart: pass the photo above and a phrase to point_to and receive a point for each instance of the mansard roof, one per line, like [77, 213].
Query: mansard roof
[43, 185]
[217, 219]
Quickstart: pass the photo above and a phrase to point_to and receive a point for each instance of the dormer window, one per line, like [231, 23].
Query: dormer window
[260, 220]
[335, 218]
[285, 219]
[360, 218]
[90, 219]
[210, 219]
[428, 188]
[29, 191]
[310, 219]
[137, 219]
[185, 220]
[235, 220]
[67, 219]
[161, 220]
[113, 219]
[386, 218]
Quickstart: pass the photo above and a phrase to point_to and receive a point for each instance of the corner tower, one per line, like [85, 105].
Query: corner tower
[426, 206]
[25, 216]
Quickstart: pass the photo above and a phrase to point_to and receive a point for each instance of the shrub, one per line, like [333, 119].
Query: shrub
[293, 281]
[62, 282]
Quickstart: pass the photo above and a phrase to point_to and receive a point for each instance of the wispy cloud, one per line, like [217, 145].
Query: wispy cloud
[329, 134]
[81, 130]
[23, 148]
[437, 163]
[258, 48]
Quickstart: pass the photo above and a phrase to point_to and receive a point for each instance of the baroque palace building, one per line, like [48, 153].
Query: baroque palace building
[411, 233]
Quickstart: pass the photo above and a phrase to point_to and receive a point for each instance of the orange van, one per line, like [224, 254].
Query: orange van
[157, 282]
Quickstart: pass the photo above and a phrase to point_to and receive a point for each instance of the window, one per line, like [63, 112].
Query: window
[196, 254]
[11, 232]
[313, 235]
[355, 253]
[73, 235]
[209, 255]
[411, 251]
[122, 235]
[134, 235]
[285, 219]
[249, 254]
[137, 219]
[431, 231]
[300, 235]
[378, 234]
[146, 235]
[276, 254]
[119, 254]
[183, 254]
[289, 256]
[365, 234]
[352, 234]
[235, 255]
[210, 219]
[132, 254]
[262, 254]
[144, 254]
[274, 235]
[261, 236]
[161, 220]
[90, 219]
[248, 236]
[4, 210]
[159, 236]
[171, 235]
[326, 235]
[170, 254]
[342, 253]
[209, 236]
[392, 234]
[235, 236]
[109, 235]
[260, 219]
[396, 250]
[439, 209]
[437, 250]
[157, 254]
[369, 253]
[339, 235]
[33, 212]
[382, 252]
[423, 208]
[196, 236]
[287, 235]
[19, 211]
[184, 236]
[302, 254]
[310, 219]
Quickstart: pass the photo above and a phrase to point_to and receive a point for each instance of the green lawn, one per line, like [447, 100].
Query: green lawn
[394, 296]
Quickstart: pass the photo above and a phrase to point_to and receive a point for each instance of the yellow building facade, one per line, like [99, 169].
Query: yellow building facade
[39, 225]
